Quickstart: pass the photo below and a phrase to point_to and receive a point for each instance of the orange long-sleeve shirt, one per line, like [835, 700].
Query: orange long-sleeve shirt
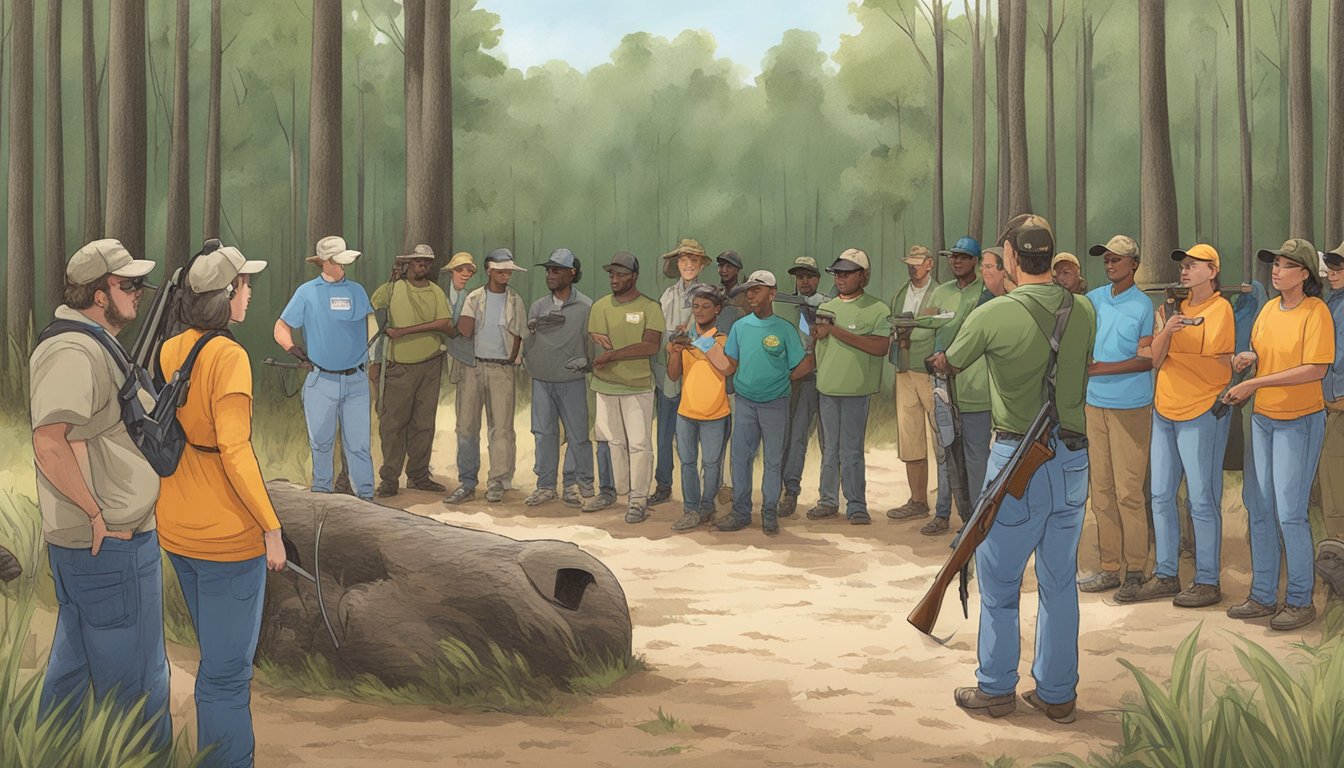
[215, 506]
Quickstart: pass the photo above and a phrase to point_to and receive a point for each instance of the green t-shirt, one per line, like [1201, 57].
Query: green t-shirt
[921, 338]
[406, 306]
[842, 370]
[973, 383]
[1006, 335]
[766, 351]
[625, 324]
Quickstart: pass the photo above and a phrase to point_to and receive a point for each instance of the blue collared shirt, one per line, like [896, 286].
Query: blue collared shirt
[1121, 321]
[334, 319]
[1333, 384]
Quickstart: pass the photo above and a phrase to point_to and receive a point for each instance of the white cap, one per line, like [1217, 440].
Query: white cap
[214, 271]
[760, 277]
[333, 249]
[104, 257]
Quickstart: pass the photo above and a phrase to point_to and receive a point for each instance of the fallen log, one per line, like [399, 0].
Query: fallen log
[395, 584]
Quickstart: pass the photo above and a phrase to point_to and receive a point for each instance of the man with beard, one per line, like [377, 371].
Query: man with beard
[97, 495]
[804, 402]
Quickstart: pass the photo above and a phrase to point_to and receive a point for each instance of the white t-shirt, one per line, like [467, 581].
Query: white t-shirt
[915, 297]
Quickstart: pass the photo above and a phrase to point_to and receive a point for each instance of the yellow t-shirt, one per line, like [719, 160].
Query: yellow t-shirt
[1196, 371]
[704, 391]
[215, 506]
[1283, 340]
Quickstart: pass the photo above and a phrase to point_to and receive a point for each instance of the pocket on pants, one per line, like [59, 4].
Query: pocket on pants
[244, 586]
[106, 600]
[1075, 485]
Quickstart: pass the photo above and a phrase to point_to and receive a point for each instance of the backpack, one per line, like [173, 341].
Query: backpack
[156, 433]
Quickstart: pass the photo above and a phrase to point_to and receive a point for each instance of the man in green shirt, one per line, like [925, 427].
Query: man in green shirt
[1013, 333]
[852, 338]
[628, 326]
[914, 386]
[417, 314]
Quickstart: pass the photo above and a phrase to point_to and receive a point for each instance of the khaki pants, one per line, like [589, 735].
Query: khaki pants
[1329, 480]
[1118, 441]
[410, 404]
[914, 409]
[488, 387]
[625, 424]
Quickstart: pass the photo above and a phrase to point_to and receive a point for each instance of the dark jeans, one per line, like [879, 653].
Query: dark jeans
[759, 426]
[605, 480]
[976, 435]
[846, 420]
[663, 438]
[803, 409]
[700, 450]
[554, 404]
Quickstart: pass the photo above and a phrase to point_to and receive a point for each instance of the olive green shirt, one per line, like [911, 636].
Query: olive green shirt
[408, 306]
[921, 338]
[625, 325]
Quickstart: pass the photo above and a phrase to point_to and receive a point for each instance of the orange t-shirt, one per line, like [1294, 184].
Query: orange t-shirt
[1283, 340]
[215, 506]
[704, 391]
[1196, 369]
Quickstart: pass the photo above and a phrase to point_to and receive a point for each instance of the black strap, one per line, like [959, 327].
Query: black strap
[99, 334]
[1054, 336]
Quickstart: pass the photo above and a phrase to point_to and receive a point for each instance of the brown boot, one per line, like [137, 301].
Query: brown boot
[976, 701]
[1060, 713]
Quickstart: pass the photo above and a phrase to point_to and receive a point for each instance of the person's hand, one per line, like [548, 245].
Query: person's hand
[1175, 324]
[275, 550]
[395, 333]
[1092, 369]
[821, 330]
[930, 311]
[603, 359]
[298, 354]
[938, 362]
[100, 533]
[602, 340]
[1241, 392]
[1243, 361]
[374, 368]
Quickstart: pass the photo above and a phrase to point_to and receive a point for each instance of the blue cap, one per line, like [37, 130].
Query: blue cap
[562, 258]
[966, 245]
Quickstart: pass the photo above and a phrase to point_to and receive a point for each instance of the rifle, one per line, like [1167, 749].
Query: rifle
[1176, 293]
[1220, 407]
[948, 419]
[901, 327]
[806, 304]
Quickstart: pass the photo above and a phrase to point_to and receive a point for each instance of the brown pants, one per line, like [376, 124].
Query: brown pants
[406, 423]
[914, 410]
[1117, 447]
[487, 387]
[1329, 479]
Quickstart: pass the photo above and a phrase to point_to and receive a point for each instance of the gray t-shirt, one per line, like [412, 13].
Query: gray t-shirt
[490, 329]
[552, 343]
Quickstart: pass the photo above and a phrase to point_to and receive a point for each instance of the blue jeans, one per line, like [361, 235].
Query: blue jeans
[1194, 449]
[225, 602]
[976, 435]
[803, 408]
[700, 451]
[663, 438]
[109, 631]
[1286, 453]
[329, 400]
[844, 423]
[758, 426]
[606, 479]
[554, 404]
[1047, 521]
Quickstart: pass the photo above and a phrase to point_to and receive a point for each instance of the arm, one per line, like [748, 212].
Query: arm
[1302, 374]
[233, 435]
[443, 325]
[1137, 364]
[466, 326]
[674, 361]
[804, 368]
[876, 346]
[647, 347]
[56, 460]
[1162, 339]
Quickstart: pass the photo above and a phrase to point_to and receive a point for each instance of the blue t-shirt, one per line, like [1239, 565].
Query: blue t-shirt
[1333, 385]
[334, 319]
[1121, 321]
[766, 351]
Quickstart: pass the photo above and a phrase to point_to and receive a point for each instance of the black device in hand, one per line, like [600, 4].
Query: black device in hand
[825, 318]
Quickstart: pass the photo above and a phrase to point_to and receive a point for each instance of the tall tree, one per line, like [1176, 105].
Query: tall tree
[976, 218]
[19, 272]
[210, 216]
[1019, 197]
[126, 136]
[1001, 214]
[178, 242]
[325, 189]
[436, 121]
[53, 168]
[1334, 142]
[93, 164]
[1247, 187]
[1196, 177]
[1157, 209]
[413, 51]
[1087, 30]
[1050, 34]
[1299, 120]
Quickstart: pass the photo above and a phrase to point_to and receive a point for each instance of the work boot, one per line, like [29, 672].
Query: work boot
[821, 512]
[788, 504]
[1330, 564]
[1251, 610]
[860, 518]
[731, 523]
[1293, 617]
[461, 496]
[540, 496]
[1156, 588]
[1133, 580]
[494, 494]
[770, 523]
[386, 488]
[637, 513]
[427, 484]
[688, 521]
[572, 498]
[601, 501]
[660, 494]
[343, 485]
[1061, 713]
[1198, 596]
[909, 510]
[1102, 581]
[935, 526]
[976, 701]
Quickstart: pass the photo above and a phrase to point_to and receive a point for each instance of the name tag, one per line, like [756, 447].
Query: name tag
[341, 304]
[634, 318]
[853, 327]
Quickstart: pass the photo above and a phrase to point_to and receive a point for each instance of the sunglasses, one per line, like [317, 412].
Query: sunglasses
[132, 286]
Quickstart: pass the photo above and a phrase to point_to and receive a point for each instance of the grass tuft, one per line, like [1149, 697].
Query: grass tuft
[664, 723]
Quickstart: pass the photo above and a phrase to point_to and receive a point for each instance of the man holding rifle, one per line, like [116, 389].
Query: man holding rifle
[1042, 513]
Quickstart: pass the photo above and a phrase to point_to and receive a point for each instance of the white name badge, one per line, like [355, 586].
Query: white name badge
[634, 317]
[341, 304]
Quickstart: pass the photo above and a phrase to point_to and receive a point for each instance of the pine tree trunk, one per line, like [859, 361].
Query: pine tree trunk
[1214, 211]
[1080, 142]
[1199, 164]
[325, 189]
[976, 220]
[1334, 144]
[359, 171]
[93, 184]
[19, 270]
[416, 216]
[939, 33]
[1247, 187]
[436, 131]
[178, 243]
[1019, 198]
[1299, 120]
[1158, 218]
[1050, 170]
[126, 156]
[210, 215]
[53, 205]
[1001, 139]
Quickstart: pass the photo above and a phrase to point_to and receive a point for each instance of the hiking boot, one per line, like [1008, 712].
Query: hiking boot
[935, 526]
[731, 523]
[1293, 617]
[461, 496]
[909, 510]
[494, 494]
[427, 484]
[1330, 564]
[600, 502]
[660, 494]
[540, 496]
[688, 521]
[1156, 588]
[637, 513]
[788, 504]
[770, 525]
[820, 512]
[1061, 713]
[978, 702]
[860, 518]
[1102, 581]
[343, 485]
[1133, 580]
[1251, 610]
[386, 488]
[571, 497]
[1198, 596]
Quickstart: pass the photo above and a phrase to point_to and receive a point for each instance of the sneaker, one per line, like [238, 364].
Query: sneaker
[1156, 588]
[1133, 581]
[494, 494]
[1251, 610]
[1060, 713]
[1102, 581]
[788, 504]
[731, 523]
[820, 512]
[935, 526]
[1330, 564]
[1198, 596]
[660, 494]
[688, 521]
[427, 484]
[860, 518]
[540, 496]
[908, 510]
[571, 497]
[461, 496]
[637, 513]
[976, 701]
[385, 489]
[1293, 617]
[770, 525]
[600, 502]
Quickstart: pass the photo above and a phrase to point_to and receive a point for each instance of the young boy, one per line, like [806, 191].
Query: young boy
[702, 416]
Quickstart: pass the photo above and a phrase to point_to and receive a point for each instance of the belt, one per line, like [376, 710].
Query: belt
[343, 372]
[1072, 440]
[494, 361]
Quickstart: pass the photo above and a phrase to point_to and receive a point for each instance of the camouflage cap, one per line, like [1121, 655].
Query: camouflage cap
[1029, 234]
[917, 255]
[420, 251]
[805, 264]
[1298, 251]
[1120, 245]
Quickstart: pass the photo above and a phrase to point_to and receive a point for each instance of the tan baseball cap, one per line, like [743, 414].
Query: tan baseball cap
[105, 257]
[1120, 245]
[1200, 252]
[918, 255]
[1030, 234]
[420, 251]
[850, 260]
[333, 249]
[1335, 258]
[805, 264]
[1065, 256]
[461, 259]
[760, 277]
[215, 270]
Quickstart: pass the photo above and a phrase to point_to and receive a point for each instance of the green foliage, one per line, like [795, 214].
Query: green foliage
[663, 723]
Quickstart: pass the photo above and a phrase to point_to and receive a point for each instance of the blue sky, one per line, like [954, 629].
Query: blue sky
[585, 32]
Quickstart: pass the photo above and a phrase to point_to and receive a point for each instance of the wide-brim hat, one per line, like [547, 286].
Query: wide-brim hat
[687, 247]
[420, 251]
[333, 249]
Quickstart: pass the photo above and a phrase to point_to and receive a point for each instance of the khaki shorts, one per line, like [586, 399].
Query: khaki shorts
[914, 410]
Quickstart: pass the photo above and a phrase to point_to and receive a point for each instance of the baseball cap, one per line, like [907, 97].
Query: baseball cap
[805, 264]
[1120, 245]
[461, 259]
[333, 249]
[502, 259]
[760, 277]
[623, 261]
[420, 251]
[967, 245]
[104, 257]
[1335, 258]
[917, 255]
[1297, 250]
[1065, 256]
[1199, 251]
[850, 260]
[709, 291]
[730, 257]
[214, 271]
[563, 258]
[1030, 234]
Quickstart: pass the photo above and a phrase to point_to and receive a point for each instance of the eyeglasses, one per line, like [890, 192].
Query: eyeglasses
[132, 286]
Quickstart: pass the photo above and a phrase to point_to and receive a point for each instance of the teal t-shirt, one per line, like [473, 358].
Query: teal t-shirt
[766, 351]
